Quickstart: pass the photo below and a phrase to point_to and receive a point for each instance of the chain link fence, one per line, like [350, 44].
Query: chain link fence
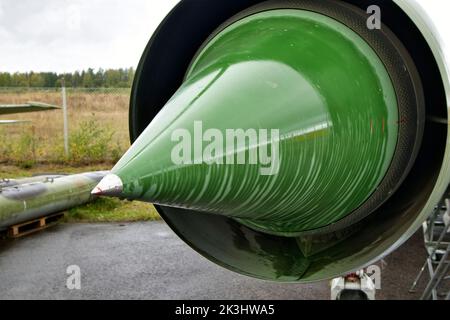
[97, 126]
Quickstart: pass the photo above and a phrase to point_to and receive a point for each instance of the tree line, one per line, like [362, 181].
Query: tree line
[90, 78]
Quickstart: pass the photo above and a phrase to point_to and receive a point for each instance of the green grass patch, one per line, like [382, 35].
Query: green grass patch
[90, 143]
[17, 171]
[112, 210]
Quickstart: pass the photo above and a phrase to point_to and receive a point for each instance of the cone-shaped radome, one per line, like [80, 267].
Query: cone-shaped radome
[110, 185]
[319, 115]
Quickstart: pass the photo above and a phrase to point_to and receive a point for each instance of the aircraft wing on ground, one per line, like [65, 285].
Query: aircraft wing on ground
[12, 121]
[27, 107]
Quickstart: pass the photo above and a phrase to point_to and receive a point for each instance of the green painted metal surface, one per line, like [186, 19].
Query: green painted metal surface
[305, 75]
[236, 247]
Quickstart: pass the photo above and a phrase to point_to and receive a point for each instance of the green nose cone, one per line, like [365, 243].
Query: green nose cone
[286, 122]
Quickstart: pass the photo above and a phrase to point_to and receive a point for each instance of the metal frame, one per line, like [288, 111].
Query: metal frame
[436, 232]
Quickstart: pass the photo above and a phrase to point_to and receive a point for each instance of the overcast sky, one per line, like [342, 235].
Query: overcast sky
[69, 35]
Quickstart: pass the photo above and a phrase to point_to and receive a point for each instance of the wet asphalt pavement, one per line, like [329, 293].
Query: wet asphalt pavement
[146, 260]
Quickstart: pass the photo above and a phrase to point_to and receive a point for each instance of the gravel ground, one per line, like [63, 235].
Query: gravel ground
[145, 260]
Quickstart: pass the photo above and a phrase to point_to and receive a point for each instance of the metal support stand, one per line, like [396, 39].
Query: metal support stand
[436, 232]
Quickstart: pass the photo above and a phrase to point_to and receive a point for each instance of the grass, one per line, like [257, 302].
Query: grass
[101, 210]
[13, 171]
[113, 210]
[98, 127]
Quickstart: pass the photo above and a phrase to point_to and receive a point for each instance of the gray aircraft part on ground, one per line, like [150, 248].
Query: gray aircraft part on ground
[13, 121]
[25, 202]
[5, 183]
[26, 107]
[22, 108]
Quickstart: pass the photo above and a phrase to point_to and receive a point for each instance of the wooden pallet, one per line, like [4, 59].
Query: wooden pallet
[25, 228]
